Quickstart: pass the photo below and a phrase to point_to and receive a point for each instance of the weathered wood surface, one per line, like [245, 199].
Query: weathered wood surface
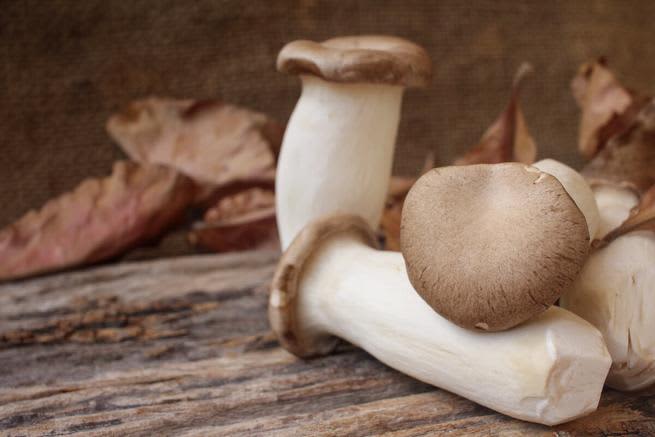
[182, 347]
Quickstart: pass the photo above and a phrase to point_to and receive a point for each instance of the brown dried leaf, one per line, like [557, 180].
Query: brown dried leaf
[642, 218]
[240, 204]
[608, 108]
[507, 139]
[390, 224]
[399, 186]
[99, 219]
[241, 221]
[628, 159]
[214, 143]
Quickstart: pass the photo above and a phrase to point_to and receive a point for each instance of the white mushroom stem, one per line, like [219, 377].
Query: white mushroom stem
[616, 292]
[548, 370]
[337, 153]
[578, 189]
[614, 205]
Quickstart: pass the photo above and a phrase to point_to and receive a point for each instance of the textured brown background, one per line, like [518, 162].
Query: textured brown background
[66, 65]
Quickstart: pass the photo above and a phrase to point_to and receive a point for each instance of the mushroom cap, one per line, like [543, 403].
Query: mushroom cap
[285, 288]
[356, 59]
[490, 246]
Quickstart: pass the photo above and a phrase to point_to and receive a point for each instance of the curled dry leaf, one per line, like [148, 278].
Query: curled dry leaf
[241, 221]
[507, 139]
[214, 143]
[399, 186]
[642, 218]
[99, 219]
[608, 108]
[628, 159]
[240, 204]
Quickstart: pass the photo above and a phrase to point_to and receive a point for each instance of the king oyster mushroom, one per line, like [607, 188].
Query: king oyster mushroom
[615, 290]
[616, 293]
[504, 241]
[338, 147]
[331, 282]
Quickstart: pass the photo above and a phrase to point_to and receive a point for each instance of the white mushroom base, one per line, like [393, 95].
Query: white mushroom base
[616, 292]
[549, 370]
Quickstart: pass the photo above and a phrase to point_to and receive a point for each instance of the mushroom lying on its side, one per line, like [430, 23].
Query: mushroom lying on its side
[490, 246]
[332, 282]
[615, 291]
[338, 148]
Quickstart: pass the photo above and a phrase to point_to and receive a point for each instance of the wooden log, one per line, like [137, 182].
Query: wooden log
[182, 346]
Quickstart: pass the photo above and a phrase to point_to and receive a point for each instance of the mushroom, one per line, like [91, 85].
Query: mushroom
[614, 205]
[338, 147]
[332, 283]
[615, 291]
[505, 240]
[578, 189]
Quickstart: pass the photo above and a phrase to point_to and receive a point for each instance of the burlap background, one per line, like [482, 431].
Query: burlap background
[66, 65]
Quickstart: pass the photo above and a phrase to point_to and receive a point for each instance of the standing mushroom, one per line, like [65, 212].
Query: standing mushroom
[338, 148]
[331, 282]
[504, 241]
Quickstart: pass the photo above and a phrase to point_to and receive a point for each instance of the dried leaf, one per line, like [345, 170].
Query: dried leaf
[628, 159]
[241, 221]
[99, 219]
[214, 143]
[608, 108]
[240, 204]
[642, 218]
[507, 139]
[390, 224]
[399, 186]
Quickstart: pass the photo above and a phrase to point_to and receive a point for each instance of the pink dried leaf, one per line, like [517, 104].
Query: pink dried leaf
[214, 143]
[101, 218]
[608, 108]
[628, 159]
[240, 221]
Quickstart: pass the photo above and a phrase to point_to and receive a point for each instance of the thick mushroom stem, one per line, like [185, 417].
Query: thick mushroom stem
[537, 372]
[337, 153]
[614, 292]
[614, 205]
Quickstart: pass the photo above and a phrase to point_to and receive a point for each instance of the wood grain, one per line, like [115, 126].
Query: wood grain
[182, 347]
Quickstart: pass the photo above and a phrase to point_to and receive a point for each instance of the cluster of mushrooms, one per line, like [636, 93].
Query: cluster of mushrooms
[486, 251]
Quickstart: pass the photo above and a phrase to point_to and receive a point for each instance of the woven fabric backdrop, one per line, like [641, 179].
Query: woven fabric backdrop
[67, 65]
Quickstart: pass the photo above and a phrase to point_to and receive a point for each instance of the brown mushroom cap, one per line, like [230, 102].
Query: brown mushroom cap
[371, 59]
[490, 246]
[285, 287]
